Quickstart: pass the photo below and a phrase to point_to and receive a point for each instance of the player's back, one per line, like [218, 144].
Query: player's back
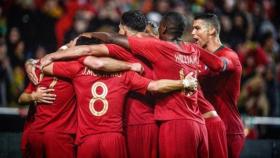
[59, 116]
[176, 65]
[101, 98]
[170, 61]
[222, 89]
[140, 108]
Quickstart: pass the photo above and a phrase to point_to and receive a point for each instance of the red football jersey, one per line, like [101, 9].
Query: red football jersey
[61, 115]
[222, 89]
[139, 108]
[100, 96]
[171, 61]
[203, 104]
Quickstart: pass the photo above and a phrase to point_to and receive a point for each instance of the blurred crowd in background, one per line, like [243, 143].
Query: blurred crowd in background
[33, 28]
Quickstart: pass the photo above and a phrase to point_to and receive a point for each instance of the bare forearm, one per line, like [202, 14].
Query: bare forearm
[48, 69]
[70, 53]
[113, 38]
[26, 98]
[103, 36]
[165, 86]
[106, 64]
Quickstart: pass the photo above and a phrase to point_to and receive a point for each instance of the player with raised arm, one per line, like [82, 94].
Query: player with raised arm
[141, 130]
[52, 131]
[220, 80]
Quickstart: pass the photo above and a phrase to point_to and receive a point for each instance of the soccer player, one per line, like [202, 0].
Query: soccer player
[182, 129]
[141, 130]
[221, 84]
[52, 131]
[31, 96]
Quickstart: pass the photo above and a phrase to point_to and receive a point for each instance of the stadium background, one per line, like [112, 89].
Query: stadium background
[32, 28]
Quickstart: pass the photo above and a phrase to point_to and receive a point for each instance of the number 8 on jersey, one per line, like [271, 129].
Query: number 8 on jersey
[100, 97]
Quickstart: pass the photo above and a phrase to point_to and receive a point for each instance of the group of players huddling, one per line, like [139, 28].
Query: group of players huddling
[135, 94]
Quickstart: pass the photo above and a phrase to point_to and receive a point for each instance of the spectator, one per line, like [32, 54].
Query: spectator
[6, 73]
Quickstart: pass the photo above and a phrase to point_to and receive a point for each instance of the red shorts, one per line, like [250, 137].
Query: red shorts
[142, 140]
[36, 144]
[59, 145]
[217, 137]
[235, 143]
[183, 138]
[105, 145]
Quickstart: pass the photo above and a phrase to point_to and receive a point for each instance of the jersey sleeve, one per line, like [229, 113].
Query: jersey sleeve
[118, 52]
[227, 59]
[146, 47]
[136, 83]
[211, 60]
[66, 69]
[216, 63]
[30, 88]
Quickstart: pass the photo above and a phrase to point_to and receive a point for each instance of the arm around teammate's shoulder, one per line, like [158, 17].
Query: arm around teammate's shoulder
[214, 62]
[106, 37]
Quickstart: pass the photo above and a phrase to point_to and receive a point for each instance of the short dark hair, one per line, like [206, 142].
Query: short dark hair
[135, 20]
[87, 41]
[210, 18]
[175, 23]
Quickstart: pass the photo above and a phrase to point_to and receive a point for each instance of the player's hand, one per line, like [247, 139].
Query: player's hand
[46, 60]
[190, 82]
[43, 95]
[30, 70]
[137, 67]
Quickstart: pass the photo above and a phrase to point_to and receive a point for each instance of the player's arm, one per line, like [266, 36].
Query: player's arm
[76, 52]
[145, 47]
[215, 63]
[106, 37]
[41, 95]
[30, 70]
[111, 65]
[48, 69]
[164, 86]
[102, 64]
